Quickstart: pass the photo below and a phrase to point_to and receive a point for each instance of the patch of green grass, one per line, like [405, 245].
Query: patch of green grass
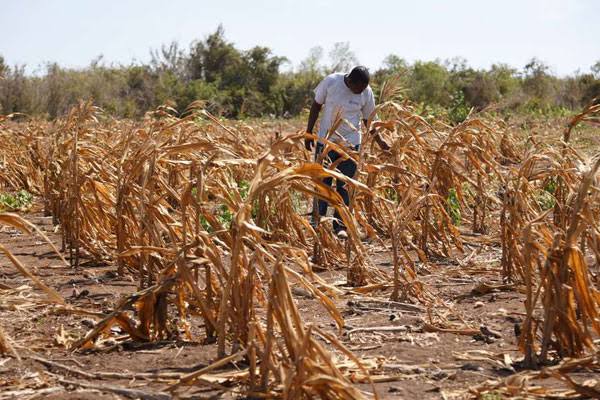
[551, 184]
[224, 216]
[491, 396]
[467, 190]
[222, 213]
[453, 207]
[459, 110]
[205, 225]
[545, 197]
[20, 200]
[298, 202]
[391, 194]
[545, 200]
[244, 187]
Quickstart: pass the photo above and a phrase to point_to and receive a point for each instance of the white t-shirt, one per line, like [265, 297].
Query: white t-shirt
[336, 97]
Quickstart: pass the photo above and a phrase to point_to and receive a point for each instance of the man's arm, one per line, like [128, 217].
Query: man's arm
[368, 111]
[315, 109]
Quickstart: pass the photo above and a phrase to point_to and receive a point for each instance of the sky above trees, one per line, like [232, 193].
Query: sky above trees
[563, 34]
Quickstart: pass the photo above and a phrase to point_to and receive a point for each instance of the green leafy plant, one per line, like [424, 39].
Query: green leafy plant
[391, 194]
[458, 110]
[453, 206]
[20, 200]
[244, 187]
[545, 197]
[491, 396]
[223, 213]
[224, 216]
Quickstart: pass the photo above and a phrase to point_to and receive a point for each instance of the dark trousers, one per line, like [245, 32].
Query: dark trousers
[346, 167]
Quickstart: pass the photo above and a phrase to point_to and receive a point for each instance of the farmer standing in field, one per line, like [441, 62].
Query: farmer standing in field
[349, 97]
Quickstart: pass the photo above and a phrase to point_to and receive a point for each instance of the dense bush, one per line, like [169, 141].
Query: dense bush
[250, 83]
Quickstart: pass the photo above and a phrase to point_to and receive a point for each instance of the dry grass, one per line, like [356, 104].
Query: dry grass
[210, 218]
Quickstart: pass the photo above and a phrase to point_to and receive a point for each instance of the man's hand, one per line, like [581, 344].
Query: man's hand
[309, 143]
[315, 109]
[382, 143]
[379, 140]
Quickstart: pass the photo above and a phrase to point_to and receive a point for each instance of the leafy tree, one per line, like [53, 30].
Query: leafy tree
[393, 63]
[15, 90]
[140, 87]
[505, 78]
[596, 69]
[342, 59]
[294, 90]
[457, 65]
[245, 83]
[209, 58]
[428, 83]
[169, 58]
[3, 67]
[481, 91]
[590, 90]
[538, 84]
[312, 63]
[392, 66]
[247, 77]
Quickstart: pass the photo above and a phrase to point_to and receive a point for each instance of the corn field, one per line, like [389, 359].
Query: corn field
[211, 220]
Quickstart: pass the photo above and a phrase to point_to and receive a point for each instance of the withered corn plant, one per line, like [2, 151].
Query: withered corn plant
[20, 165]
[435, 165]
[549, 222]
[564, 287]
[175, 214]
[210, 218]
[525, 197]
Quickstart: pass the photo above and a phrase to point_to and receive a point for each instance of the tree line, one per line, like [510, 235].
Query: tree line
[237, 83]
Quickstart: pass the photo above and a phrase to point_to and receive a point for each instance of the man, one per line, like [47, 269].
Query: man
[349, 97]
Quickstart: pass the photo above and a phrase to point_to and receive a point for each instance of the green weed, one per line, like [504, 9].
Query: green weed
[20, 200]
[545, 197]
[453, 207]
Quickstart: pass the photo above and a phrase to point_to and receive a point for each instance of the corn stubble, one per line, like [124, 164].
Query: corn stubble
[210, 217]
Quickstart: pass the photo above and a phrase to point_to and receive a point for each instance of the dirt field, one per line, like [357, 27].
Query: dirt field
[176, 196]
[412, 363]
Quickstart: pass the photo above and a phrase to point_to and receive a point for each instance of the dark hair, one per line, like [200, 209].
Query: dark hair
[359, 74]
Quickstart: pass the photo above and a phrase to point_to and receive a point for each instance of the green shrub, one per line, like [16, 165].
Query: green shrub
[453, 207]
[458, 110]
[21, 200]
[240, 83]
[545, 197]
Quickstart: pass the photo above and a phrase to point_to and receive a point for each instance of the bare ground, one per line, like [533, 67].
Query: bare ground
[410, 362]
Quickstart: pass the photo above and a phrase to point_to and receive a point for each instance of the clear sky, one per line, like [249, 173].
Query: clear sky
[563, 33]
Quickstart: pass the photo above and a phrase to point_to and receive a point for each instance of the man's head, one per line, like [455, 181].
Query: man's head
[358, 79]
